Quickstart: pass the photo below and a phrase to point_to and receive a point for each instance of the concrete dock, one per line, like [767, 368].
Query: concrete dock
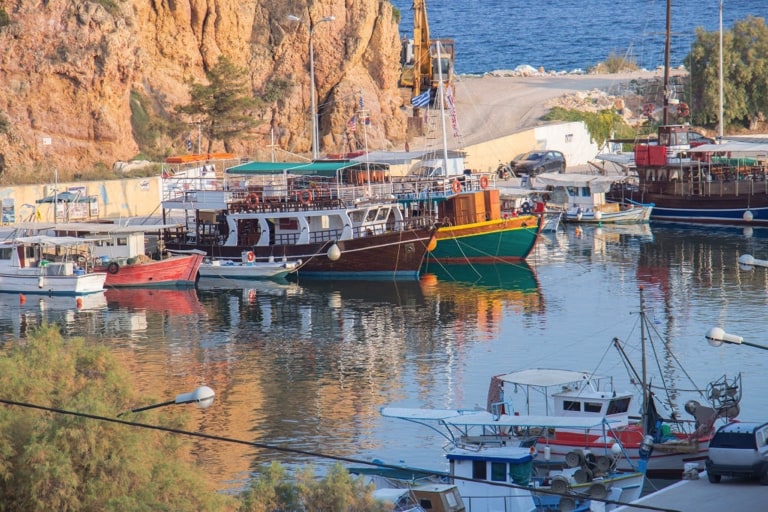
[730, 495]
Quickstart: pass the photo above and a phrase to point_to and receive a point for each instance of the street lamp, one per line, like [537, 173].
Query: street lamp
[717, 336]
[202, 396]
[315, 130]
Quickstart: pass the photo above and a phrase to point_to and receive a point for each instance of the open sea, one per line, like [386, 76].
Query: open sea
[567, 35]
[307, 366]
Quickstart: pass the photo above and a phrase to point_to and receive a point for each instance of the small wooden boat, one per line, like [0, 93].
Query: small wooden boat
[51, 265]
[121, 252]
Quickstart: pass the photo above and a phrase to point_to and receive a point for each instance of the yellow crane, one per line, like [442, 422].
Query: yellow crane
[420, 69]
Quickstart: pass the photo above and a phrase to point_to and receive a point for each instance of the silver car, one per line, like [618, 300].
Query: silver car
[739, 449]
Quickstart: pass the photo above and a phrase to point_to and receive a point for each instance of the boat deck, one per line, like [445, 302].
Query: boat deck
[702, 496]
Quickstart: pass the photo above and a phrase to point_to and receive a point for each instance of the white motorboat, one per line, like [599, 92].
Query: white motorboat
[248, 268]
[581, 197]
[495, 465]
[48, 265]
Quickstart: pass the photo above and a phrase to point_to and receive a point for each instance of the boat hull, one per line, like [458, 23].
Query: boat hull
[667, 460]
[34, 283]
[716, 202]
[256, 271]
[179, 270]
[503, 240]
[392, 255]
[633, 214]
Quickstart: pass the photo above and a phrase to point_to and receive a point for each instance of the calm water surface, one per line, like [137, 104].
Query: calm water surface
[563, 35]
[308, 365]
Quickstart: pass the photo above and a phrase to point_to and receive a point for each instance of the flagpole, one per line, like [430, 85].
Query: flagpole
[365, 143]
[441, 91]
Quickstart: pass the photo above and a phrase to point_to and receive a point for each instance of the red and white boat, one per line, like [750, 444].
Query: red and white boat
[672, 442]
[122, 253]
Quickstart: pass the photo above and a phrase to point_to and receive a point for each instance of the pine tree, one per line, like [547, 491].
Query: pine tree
[224, 107]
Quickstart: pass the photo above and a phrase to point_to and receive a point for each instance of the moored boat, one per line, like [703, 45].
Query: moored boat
[668, 444]
[582, 198]
[50, 265]
[495, 466]
[706, 184]
[121, 252]
[467, 208]
[247, 268]
[338, 217]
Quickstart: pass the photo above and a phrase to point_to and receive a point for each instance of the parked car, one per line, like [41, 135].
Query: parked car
[739, 449]
[537, 162]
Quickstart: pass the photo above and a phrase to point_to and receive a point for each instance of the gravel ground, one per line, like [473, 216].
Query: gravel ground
[490, 107]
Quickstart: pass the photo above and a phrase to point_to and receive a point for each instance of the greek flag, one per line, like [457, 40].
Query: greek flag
[422, 100]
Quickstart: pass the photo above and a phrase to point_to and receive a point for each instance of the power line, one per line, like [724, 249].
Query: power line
[265, 446]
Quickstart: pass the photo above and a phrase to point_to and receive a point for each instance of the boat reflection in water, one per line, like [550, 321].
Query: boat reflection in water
[174, 301]
[20, 312]
[501, 284]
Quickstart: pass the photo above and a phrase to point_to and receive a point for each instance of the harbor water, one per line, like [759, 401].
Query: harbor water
[306, 366]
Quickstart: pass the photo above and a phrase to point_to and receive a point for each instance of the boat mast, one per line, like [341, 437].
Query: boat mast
[667, 45]
[441, 92]
[644, 369]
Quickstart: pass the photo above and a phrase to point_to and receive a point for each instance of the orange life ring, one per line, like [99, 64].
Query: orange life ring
[456, 186]
[305, 196]
[682, 110]
[250, 257]
[484, 182]
[252, 201]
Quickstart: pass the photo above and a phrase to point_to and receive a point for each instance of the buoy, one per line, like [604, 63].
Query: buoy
[747, 262]
[334, 253]
[428, 279]
[79, 302]
[22, 299]
[432, 244]
[748, 216]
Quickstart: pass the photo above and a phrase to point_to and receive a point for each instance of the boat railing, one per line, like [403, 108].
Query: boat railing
[415, 188]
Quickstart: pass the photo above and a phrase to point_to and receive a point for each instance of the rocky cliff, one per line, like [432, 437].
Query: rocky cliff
[71, 70]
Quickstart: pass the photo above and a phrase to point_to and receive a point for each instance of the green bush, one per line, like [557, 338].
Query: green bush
[5, 20]
[601, 125]
[615, 64]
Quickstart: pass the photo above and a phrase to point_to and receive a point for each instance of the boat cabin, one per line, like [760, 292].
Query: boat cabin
[562, 393]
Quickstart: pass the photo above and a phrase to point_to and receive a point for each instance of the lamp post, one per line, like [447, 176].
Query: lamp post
[202, 396]
[717, 336]
[315, 130]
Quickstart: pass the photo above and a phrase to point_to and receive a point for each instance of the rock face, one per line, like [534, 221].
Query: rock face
[69, 69]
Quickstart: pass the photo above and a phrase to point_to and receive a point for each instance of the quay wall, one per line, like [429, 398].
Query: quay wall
[111, 199]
